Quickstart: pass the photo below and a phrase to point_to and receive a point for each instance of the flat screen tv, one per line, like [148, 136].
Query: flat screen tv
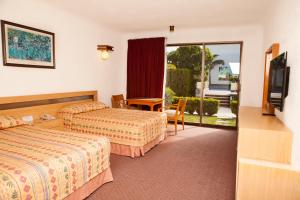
[278, 81]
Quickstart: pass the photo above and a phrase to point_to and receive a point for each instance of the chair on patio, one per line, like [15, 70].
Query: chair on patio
[175, 112]
[118, 101]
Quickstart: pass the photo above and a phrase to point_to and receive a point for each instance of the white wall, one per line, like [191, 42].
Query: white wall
[282, 25]
[78, 66]
[252, 60]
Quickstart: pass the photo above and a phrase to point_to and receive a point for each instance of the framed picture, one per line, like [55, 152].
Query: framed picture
[24, 46]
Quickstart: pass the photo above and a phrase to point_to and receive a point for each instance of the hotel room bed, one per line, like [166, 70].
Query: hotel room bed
[38, 163]
[131, 132]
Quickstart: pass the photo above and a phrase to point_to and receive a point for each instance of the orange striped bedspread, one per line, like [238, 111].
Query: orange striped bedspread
[127, 127]
[39, 163]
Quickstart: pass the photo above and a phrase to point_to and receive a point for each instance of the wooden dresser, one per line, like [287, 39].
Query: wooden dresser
[264, 170]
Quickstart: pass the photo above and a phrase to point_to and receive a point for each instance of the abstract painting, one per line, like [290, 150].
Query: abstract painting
[25, 46]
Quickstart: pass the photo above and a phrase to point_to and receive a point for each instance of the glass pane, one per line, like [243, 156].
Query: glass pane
[222, 70]
[183, 78]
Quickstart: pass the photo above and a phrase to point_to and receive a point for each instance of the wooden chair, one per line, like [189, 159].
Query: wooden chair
[118, 101]
[175, 112]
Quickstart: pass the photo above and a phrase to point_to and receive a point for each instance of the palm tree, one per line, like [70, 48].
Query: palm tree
[210, 62]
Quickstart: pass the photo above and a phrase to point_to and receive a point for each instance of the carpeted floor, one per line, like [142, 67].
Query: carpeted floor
[198, 163]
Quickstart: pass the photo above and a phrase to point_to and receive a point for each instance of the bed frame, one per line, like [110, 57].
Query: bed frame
[36, 105]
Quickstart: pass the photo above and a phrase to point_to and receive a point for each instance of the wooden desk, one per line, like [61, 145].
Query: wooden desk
[151, 102]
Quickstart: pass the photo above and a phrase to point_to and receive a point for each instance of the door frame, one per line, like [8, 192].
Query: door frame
[241, 43]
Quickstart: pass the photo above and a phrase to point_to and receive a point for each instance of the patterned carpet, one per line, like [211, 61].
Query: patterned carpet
[198, 163]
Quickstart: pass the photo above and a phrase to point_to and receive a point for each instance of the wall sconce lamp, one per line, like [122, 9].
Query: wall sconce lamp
[105, 51]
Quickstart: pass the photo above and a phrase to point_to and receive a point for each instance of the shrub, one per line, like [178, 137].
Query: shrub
[234, 106]
[169, 94]
[233, 79]
[190, 105]
[175, 99]
[210, 106]
[171, 66]
[179, 80]
[197, 105]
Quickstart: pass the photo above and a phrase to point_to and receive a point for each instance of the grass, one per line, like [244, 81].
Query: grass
[209, 120]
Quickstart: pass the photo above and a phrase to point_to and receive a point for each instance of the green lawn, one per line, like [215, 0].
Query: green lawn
[209, 120]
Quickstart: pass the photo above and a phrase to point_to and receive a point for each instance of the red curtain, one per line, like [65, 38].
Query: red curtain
[145, 68]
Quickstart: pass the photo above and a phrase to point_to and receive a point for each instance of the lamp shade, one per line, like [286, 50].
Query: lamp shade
[104, 55]
[104, 51]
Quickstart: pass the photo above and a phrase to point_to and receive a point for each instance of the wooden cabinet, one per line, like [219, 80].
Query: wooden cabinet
[263, 137]
[264, 169]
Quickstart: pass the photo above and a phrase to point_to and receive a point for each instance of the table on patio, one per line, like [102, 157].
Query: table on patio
[151, 102]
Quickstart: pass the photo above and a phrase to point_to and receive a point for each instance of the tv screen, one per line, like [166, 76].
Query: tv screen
[278, 81]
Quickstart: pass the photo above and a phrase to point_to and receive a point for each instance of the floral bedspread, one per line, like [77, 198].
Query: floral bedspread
[121, 126]
[39, 163]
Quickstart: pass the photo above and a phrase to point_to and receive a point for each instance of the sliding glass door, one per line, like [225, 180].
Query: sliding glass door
[207, 75]
[183, 75]
[220, 88]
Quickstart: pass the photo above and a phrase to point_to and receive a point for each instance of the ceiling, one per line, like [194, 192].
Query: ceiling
[145, 15]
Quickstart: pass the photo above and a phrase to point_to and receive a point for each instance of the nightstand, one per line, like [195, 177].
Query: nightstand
[57, 124]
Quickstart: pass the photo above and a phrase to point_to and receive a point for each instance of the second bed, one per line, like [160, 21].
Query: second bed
[131, 132]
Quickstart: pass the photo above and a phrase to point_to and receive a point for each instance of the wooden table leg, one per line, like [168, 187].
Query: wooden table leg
[151, 107]
[160, 106]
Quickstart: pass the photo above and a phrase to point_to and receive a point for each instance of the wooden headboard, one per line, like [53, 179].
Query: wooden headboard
[37, 105]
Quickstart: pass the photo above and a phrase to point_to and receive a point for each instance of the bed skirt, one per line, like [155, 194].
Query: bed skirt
[89, 187]
[135, 151]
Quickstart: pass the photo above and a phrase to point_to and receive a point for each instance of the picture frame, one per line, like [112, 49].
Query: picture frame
[24, 46]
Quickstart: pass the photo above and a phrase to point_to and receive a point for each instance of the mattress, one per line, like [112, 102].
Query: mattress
[38, 163]
[127, 127]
